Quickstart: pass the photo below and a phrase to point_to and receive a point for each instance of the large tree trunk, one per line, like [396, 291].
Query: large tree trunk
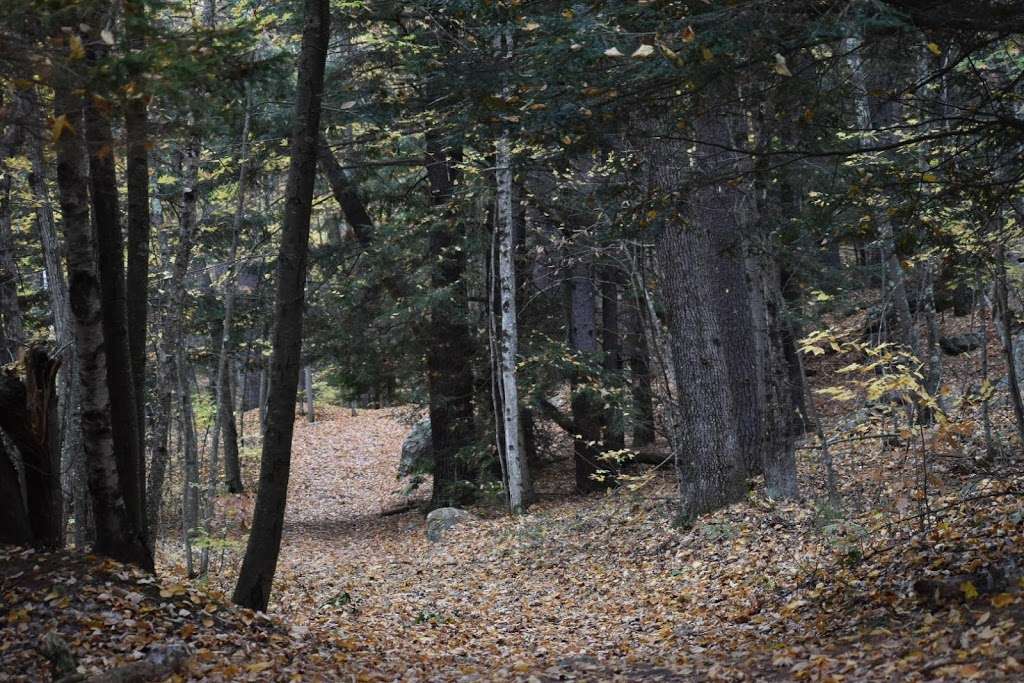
[136, 123]
[700, 264]
[448, 340]
[257, 573]
[116, 534]
[73, 460]
[586, 409]
[110, 258]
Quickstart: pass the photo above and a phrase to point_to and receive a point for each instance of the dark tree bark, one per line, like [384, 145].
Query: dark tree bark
[257, 573]
[110, 259]
[699, 263]
[28, 416]
[73, 460]
[638, 355]
[225, 423]
[349, 201]
[448, 340]
[611, 346]
[116, 534]
[586, 410]
[12, 332]
[14, 525]
[170, 308]
[136, 123]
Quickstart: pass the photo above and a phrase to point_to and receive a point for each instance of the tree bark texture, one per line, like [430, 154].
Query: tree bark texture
[258, 566]
[448, 339]
[113, 292]
[116, 534]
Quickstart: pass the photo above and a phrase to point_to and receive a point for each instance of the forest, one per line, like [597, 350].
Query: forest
[472, 340]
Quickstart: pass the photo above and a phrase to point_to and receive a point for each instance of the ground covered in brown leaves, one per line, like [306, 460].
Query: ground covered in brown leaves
[891, 587]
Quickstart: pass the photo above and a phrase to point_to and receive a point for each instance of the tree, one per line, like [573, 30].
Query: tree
[257, 573]
[117, 534]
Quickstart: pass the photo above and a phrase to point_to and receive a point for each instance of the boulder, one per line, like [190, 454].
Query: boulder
[417, 451]
[960, 343]
[442, 519]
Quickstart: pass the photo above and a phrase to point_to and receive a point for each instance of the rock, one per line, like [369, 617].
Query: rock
[443, 519]
[960, 343]
[417, 451]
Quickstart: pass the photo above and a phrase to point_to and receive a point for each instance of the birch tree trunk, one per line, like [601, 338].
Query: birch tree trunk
[515, 464]
[257, 573]
[190, 451]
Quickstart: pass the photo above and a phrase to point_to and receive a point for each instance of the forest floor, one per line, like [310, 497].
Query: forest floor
[894, 586]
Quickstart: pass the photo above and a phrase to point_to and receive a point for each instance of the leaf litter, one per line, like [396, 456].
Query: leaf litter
[603, 587]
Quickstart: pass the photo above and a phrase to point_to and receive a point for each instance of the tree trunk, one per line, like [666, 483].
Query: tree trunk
[116, 534]
[638, 354]
[701, 268]
[225, 420]
[190, 453]
[257, 572]
[110, 259]
[136, 123]
[173, 266]
[73, 460]
[508, 339]
[12, 332]
[307, 375]
[591, 473]
[448, 339]
[611, 345]
[1006, 329]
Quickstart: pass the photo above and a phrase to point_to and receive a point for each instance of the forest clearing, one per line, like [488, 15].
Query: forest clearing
[472, 340]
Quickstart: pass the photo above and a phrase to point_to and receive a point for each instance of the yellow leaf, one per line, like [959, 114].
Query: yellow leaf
[60, 124]
[257, 667]
[643, 51]
[934, 49]
[929, 177]
[532, 26]
[75, 47]
[970, 592]
[706, 54]
[1002, 600]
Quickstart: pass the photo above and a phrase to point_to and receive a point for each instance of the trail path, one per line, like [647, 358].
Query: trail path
[605, 588]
